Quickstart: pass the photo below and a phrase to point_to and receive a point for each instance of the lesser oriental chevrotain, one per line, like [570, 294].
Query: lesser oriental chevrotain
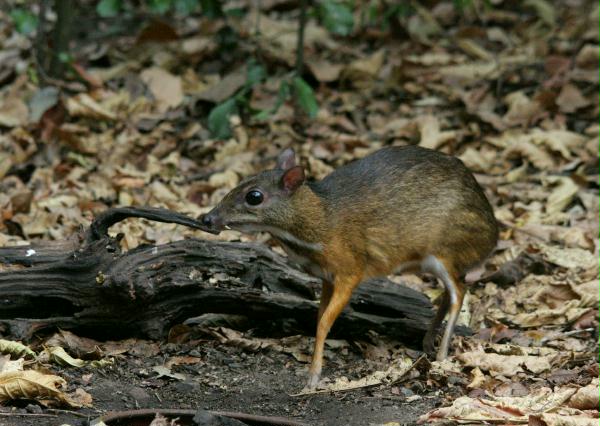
[398, 209]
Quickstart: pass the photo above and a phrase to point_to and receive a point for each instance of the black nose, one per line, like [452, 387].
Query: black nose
[206, 220]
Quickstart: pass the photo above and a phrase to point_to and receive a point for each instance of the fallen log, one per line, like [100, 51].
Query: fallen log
[89, 286]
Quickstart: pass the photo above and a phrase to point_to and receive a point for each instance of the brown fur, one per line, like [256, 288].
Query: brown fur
[390, 209]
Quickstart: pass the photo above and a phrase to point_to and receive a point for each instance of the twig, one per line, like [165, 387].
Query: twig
[567, 333]
[39, 39]
[249, 418]
[257, 7]
[26, 415]
[71, 412]
[300, 45]
[61, 34]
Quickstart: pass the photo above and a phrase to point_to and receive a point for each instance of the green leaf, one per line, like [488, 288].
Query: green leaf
[186, 7]
[236, 12]
[336, 17]
[211, 8]
[25, 21]
[218, 119]
[255, 73]
[160, 6]
[462, 5]
[108, 8]
[305, 97]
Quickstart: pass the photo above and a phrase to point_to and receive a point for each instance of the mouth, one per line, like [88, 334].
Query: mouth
[210, 230]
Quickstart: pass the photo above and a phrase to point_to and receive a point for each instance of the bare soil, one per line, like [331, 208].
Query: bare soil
[231, 379]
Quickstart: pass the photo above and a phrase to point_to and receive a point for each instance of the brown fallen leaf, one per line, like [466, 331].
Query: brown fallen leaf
[324, 71]
[431, 135]
[507, 365]
[13, 112]
[166, 88]
[395, 372]
[522, 111]
[224, 88]
[562, 195]
[538, 157]
[516, 410]
[362, 72]
[83, 105]
[570, 99]
[293, 345]
[588, 57]
[587, 397]
[182, 360]
[31, 384]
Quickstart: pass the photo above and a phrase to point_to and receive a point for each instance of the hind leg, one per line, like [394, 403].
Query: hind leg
[432, 332]
[326, 292]
[455, 293]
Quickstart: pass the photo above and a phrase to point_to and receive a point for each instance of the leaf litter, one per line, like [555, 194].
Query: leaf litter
[516, 102]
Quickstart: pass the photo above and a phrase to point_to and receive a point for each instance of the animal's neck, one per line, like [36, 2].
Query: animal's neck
[307, 221]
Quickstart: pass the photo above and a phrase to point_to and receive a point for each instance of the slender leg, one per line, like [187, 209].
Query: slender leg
[455, 293]
[342, 290]
[326, 292]
[429, 339]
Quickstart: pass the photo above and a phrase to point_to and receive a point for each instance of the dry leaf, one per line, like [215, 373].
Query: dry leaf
[30, 384]
[394, 373]
[563, 314]
[364, 71]
[570, 99]
[224, 88]
[507, 365]
[6, 365]
[568, 257]
[58, 355]
[478, 379]
[13, 112]
[324, 71]
[513, 410]
[83, 105]
[537, 156]
[522, 111]
[562, 195]
[15, 349]
[431, 136]
[166, 88]
[293, 345]
[586, 398]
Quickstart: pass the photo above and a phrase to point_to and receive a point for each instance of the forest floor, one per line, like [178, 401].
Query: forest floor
[175, 112]
[233, 380]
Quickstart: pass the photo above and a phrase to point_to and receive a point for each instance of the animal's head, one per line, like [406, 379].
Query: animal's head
[260, 201]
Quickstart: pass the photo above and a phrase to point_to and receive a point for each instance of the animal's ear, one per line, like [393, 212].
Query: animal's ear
[292, 179]
[286, 160]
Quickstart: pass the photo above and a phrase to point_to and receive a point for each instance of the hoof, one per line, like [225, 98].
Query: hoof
[429, 344]
[313, 381]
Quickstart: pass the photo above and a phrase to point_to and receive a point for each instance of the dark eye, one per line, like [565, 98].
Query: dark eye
[254, 197]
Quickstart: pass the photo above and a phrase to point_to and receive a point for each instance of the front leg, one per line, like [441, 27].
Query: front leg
[342, 288]
[326, 292]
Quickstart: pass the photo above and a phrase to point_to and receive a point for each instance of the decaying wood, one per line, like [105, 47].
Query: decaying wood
[89, 286]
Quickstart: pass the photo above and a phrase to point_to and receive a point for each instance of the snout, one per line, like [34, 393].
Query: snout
[211, 222]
